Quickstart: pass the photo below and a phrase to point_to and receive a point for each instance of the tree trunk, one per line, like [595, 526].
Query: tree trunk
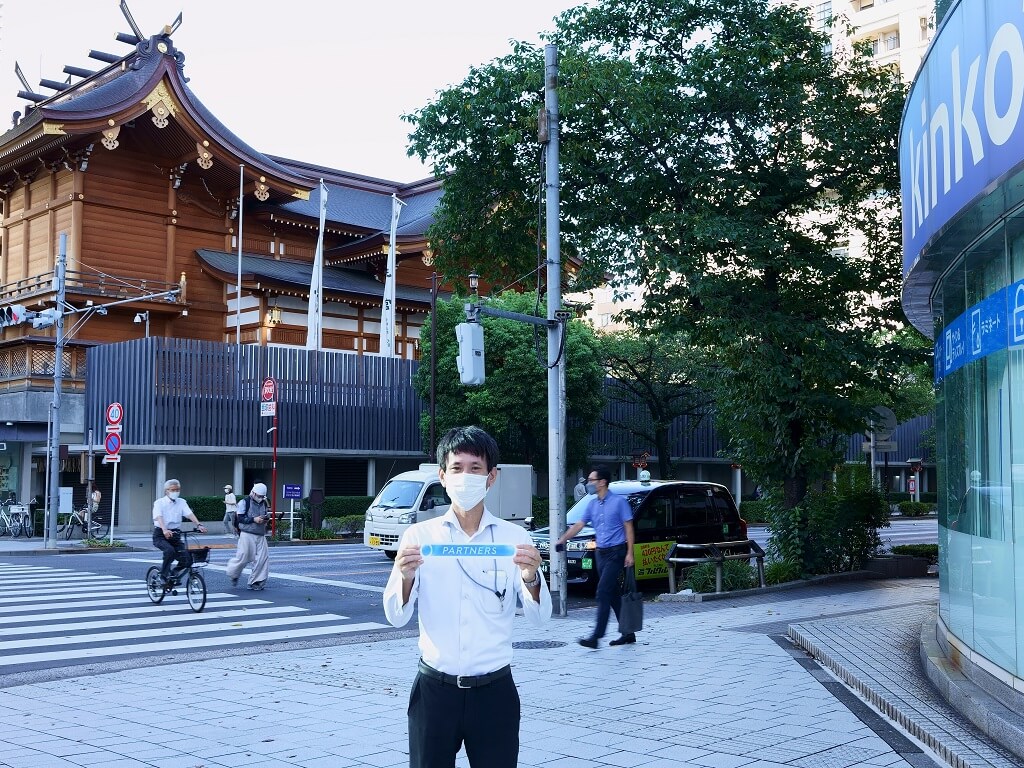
[664, 453]
[794, 489]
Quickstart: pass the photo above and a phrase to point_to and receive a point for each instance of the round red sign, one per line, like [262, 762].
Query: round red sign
[114, 413]
[269, 390]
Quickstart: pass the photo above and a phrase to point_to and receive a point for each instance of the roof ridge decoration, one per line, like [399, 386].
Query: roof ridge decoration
[162, 104]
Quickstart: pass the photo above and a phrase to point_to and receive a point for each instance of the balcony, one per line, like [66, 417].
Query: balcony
[28, 364]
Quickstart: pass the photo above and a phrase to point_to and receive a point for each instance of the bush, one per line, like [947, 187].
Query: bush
[540, 512]
[311, 534]
[833, 530]
[340, 506]
[207, 508]
[915, 508]
[931, 551]
[781, 571]
[350, 525]
[896, 498]
[736, 574]
[930, 498]
[755, 512]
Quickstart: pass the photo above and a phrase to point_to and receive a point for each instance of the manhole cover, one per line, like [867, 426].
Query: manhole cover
[529, 645]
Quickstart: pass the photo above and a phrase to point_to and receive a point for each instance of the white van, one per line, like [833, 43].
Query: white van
[412, 497]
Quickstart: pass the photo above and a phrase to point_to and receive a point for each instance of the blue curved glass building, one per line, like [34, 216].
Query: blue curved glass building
[962, 176]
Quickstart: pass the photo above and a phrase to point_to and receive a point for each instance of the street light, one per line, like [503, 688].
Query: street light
[143, 317]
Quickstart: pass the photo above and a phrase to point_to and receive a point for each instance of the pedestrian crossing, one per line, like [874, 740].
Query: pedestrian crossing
[50, 616]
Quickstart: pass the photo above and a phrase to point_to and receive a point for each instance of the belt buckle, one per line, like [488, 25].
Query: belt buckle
[458, 682]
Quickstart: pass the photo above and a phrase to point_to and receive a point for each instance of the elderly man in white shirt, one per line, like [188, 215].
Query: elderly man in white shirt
[466, 568]
[168, 512]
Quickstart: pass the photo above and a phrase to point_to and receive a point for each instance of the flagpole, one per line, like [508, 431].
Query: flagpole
[387, 338]
[315, 311]
[238, 285]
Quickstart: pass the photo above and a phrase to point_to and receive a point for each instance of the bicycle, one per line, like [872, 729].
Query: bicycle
[195, 583]
[15, 519]
[98, 528]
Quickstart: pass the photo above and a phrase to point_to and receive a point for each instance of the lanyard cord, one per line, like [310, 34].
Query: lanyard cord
[500, 594]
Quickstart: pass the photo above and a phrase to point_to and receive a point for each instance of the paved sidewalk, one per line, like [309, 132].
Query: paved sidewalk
[714, 684]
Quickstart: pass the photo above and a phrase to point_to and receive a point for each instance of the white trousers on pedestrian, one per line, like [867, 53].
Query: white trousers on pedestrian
[251, 548]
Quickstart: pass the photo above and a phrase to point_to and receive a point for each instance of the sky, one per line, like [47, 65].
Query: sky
[322, 81]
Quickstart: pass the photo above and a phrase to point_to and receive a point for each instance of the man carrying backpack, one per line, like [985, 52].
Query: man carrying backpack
[251, 520]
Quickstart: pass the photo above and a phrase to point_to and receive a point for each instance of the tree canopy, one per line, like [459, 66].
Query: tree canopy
[718, 155]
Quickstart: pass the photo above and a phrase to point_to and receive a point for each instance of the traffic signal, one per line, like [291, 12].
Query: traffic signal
[44, 318]
[470, 361]
[12, 314]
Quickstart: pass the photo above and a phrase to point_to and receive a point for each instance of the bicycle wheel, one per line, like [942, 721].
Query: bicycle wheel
[69, 529]
[195, 588]
[15, 526]
[4, 530]
[28, 526]
[100, 529]
[155, 585]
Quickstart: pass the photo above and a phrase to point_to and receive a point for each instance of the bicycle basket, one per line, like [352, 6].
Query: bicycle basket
[200, 555]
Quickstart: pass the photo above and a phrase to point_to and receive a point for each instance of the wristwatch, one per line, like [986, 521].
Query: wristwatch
[535, 582]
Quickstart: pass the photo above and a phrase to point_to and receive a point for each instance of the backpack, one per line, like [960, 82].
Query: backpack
[238, 509]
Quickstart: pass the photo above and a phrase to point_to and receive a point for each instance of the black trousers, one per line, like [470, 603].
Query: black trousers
[611, 561]
[442, 717]
[172, 547]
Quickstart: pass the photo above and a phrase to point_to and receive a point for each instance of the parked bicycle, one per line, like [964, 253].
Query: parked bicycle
[99, 526]
[192, 574]
[15, 519]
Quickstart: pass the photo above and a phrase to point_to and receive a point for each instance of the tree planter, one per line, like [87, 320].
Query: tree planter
[898, 566]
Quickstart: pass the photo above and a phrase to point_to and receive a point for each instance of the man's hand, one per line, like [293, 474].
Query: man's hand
[629, 560]
[200, 527]
[408, 562]
[168, 533]
[527, 557]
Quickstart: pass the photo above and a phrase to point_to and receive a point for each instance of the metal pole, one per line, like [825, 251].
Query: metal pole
[53, 449]
[433, 359]
[88, 484]
[556, 360]
[273, 478]
[113, 502]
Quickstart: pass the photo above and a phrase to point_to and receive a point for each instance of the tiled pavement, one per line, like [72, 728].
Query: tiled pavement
[712, 684]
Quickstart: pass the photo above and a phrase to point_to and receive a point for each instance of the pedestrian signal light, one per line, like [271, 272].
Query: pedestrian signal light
[470, 360]
[12, 314]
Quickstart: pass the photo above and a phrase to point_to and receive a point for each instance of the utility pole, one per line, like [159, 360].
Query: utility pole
[53, 449]
[556, 334]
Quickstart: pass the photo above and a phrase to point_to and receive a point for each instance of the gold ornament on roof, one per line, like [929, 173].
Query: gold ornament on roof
[162, 104]
[205, 156]
[262, 191]
[109, 139]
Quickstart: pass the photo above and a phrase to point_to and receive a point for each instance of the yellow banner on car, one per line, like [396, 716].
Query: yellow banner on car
[650, 559]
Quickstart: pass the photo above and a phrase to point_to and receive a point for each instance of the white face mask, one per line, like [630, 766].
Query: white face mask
[466, 490]
[172, 495]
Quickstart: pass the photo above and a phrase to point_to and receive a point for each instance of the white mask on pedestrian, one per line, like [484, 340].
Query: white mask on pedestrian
[172, 495]
[465, 490]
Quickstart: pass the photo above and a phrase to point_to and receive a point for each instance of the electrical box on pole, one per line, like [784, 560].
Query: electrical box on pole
[470, 360]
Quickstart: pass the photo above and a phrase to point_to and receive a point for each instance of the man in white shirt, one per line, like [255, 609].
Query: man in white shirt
[168, 512]
[466, 568]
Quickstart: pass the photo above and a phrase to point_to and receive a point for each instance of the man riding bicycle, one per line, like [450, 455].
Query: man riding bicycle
[168, 512]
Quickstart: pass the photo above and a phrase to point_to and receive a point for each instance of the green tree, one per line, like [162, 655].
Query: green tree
[657, 378]
[717, 156]
[512, 402]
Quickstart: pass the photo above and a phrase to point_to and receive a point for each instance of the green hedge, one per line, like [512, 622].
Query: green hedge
[736, 574]
[915, 508]
[756, 512]
[931, 551]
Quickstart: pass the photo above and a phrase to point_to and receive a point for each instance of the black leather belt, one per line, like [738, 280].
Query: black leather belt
[464, 681]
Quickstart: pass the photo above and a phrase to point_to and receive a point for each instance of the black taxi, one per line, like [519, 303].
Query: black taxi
[664, 512]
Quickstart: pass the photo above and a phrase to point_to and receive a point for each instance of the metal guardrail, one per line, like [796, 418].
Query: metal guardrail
[717, 553]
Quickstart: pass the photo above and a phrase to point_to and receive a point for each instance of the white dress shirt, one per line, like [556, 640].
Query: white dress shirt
[172, 510]
[465, 628]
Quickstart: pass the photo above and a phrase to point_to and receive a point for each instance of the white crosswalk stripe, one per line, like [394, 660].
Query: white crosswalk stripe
[53, 615]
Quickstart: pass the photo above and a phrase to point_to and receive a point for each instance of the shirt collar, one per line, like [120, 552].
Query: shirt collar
[451, 519]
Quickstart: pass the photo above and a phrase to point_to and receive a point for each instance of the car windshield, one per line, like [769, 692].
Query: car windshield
[398, 493]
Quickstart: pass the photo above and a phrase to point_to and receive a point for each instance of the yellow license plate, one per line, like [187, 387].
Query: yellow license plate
[374, 541]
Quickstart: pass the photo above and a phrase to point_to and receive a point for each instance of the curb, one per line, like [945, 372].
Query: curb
[831, 578]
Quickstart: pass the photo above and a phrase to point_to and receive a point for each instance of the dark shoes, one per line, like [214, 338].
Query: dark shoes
[234, 582]
[257, 585]
[624, 640]
[588, 642]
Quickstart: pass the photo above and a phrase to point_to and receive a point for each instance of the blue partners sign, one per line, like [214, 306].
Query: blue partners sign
[292, 492]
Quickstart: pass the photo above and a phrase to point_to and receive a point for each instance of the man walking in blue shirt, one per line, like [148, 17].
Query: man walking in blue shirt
[612, 520]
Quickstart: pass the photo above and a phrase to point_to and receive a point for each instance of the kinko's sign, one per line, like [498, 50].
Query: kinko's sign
[962, 125]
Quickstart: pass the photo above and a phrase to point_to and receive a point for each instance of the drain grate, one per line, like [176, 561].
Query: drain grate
[530, 645]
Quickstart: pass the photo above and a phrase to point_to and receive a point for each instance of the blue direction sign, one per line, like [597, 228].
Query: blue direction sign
[293, 491]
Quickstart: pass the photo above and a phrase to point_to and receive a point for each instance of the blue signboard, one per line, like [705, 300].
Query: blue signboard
[963, 124]
[993, 324]
[292, 492]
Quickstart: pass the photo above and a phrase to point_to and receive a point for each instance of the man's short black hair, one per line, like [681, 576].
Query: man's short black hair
[602, 472]
[471, 440]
